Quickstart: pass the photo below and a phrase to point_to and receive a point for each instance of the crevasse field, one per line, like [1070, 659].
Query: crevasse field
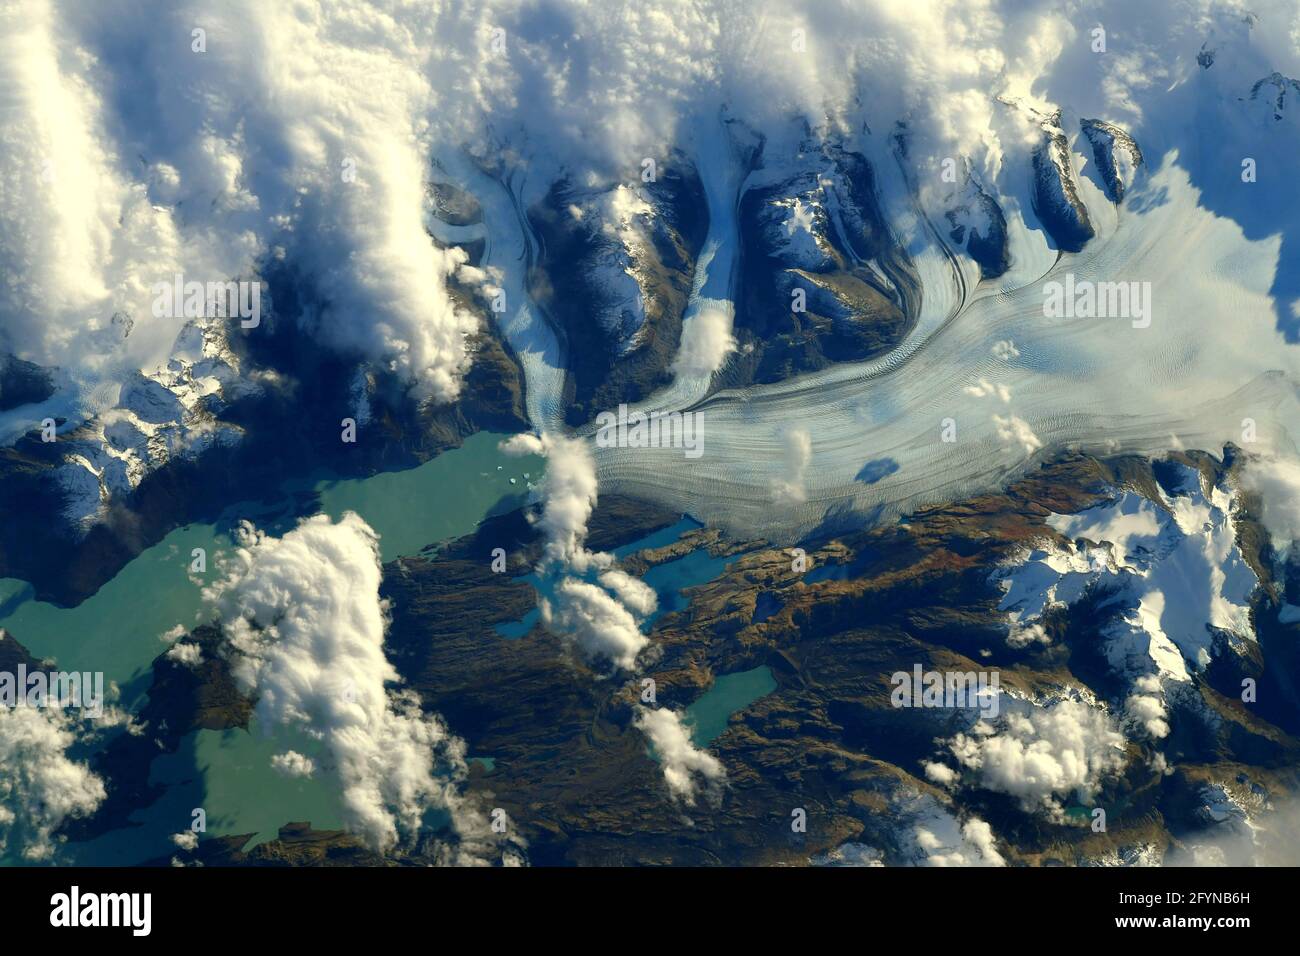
[1016, 384]
[1217, 363]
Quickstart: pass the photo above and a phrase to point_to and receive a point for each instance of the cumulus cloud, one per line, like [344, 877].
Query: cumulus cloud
[685, 766]
[1005, 349]
[306, 625]
[293, 764]
[632, 592]
[41, 787]
[190, 655]
[1020, 636]
[941, 773]
[797, 449]
[603, 621]
[976, 847]
[984, 389]
[568, 493]
[1146, 707]
[1043, 754]
[1013, 430]
[706, 341]
[927, 833]
[595, 621]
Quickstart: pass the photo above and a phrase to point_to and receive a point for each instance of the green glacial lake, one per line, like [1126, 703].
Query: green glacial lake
[119, 631]
[730, 694]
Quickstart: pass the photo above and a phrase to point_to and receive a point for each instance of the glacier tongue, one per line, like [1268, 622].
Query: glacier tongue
[508, 254]
[1189, 380]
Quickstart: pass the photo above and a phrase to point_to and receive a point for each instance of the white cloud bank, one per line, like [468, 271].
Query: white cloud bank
[40, 786]
[306, 628]
[132, 154]
[792, 488]
[686, 767]
[1041, 755]
[602, 620]
[300, 132]
[1277, 482]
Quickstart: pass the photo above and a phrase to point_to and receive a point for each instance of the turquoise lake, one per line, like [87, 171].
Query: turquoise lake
[119, 629]
[730, 694]
[669, 579]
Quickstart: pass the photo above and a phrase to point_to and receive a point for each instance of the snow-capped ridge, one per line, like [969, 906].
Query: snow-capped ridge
[170, 413]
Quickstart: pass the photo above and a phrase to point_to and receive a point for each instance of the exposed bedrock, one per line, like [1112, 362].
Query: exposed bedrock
[1056, 190]
[823, 279]
[614, 275]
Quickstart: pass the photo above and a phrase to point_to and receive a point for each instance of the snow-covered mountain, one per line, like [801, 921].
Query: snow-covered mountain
[172, 414]
[1164, 582]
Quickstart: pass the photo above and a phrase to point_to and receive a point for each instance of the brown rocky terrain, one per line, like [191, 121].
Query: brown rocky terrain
[576, 777]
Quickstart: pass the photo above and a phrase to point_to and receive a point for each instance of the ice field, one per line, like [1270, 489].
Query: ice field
[1017, 386]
